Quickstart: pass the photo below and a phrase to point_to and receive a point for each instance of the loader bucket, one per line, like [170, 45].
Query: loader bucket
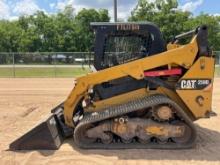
[45, 136]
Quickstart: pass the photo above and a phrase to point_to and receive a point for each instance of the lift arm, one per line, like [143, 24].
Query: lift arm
[183, 56]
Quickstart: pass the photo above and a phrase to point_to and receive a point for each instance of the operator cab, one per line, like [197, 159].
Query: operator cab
[119, 43]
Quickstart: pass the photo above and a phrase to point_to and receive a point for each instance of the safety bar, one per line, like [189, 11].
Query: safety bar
[186, 34]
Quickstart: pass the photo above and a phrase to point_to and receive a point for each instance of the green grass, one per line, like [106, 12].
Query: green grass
[217, 71]
[52, 72]
[6, 72]
[42, 72]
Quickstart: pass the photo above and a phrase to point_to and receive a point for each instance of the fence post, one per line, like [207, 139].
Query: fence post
[13, 56]
[89, 58]
[84, 60]
[55, 65]
[218, 57]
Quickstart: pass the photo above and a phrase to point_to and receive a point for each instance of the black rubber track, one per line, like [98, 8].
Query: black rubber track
[119, 110]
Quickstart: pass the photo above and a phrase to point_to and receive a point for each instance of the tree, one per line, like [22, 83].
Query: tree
[163, 13]
[30, 40]
[213, 28]
[173, 21]
[61, 32]
[83, 20]
[67, 32]
[10, 36]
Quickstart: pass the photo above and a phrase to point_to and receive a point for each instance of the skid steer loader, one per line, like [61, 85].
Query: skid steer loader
[142, 94]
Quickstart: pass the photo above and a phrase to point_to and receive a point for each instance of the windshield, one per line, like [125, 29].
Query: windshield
[122, 49]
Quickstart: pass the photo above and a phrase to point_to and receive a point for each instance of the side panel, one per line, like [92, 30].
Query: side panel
[195, 87]
[183, 56]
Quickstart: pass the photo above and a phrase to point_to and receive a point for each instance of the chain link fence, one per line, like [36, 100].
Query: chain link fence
[217, 57]
[53, 64]
[45, 64]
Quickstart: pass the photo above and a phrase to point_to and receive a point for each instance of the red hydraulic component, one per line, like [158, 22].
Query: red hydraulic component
[167, 72]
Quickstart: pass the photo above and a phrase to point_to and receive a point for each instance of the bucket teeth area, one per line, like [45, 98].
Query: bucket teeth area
[45, 136]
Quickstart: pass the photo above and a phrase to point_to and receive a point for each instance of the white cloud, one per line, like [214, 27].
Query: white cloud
[4, 10]
[191, 6]
[124, 8]
[25, 7]
[52, 5]
[151, 1]
[13, 18]
[216, 15]
[60, 5]
[123, 12]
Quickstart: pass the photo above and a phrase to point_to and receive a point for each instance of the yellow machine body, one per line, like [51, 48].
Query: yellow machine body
[202, 68]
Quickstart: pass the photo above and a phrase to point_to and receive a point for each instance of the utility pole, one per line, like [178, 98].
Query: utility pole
[115, 11]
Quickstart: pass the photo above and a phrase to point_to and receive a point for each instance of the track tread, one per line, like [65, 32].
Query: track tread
[119, 110]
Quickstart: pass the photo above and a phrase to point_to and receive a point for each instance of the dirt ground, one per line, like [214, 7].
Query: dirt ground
[24, 102]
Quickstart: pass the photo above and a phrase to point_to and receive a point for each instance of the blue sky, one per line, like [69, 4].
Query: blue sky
[11, 9]
[207, 6]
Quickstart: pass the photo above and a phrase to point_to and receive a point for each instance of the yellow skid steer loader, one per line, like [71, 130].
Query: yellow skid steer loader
[142, 94]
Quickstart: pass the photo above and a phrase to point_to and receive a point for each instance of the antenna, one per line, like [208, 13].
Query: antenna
[115, 11]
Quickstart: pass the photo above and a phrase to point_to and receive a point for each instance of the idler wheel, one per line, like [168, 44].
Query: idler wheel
[108, 139]
[187, 132]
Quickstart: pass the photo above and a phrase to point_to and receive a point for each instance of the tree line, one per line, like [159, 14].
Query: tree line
[62, 32]
[67, 32]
